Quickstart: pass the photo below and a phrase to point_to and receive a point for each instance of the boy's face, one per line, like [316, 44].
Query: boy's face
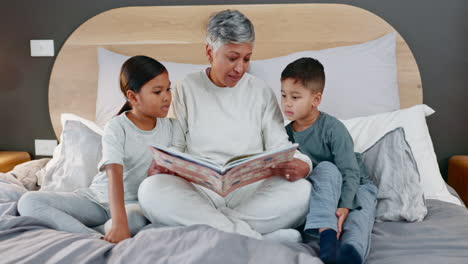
[298, 102]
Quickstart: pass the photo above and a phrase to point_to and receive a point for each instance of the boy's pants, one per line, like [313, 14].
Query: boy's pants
[326, 182]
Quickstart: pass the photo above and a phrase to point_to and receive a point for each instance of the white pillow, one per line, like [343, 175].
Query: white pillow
[74, 162]
[366, 131]
[365, 72]
[360, 79]
[109, 96]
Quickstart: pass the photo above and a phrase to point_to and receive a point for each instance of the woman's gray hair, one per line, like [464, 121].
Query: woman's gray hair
[229, 26]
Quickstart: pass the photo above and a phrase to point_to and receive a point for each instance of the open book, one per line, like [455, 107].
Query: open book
[222, 179]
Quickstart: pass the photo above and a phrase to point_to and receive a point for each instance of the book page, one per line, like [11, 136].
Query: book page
[255, 169]
[188, 170]
[269, 153]
[238, 159]
[191, 158]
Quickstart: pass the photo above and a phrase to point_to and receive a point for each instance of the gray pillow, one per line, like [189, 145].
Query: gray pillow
[76, 158]
[391, 165]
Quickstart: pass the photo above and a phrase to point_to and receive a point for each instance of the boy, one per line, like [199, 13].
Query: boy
[343, 199]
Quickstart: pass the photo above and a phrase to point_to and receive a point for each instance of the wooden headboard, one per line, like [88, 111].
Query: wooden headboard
[177, 33]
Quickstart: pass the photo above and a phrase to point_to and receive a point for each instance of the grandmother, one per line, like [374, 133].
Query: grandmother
[223, 112]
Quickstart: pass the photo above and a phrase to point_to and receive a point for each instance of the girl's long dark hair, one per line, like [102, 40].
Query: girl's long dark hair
[135, 72]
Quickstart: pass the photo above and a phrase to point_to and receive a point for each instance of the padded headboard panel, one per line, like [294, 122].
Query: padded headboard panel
[176, 33]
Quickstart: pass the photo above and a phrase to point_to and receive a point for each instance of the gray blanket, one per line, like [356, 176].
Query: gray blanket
[27, 240]
[441, 238]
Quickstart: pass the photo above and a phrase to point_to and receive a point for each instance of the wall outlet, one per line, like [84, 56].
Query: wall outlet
[42, 48]
[45, 147]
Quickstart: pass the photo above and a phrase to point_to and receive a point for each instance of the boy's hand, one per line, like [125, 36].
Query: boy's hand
[156, 169]
[117, 233]
[292, 170]
[341, 213]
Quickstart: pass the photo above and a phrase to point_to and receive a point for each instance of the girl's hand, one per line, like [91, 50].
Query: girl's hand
[292, 170]
[156, 169]
[119, 230]
[117, 233]
[341, 214]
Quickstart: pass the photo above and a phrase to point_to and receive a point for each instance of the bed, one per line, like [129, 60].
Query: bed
[175, 34]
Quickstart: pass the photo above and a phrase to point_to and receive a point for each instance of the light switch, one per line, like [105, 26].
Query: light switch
[45, 147]
[42, 48]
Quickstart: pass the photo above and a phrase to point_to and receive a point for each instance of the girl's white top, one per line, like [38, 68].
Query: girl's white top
[125, 144]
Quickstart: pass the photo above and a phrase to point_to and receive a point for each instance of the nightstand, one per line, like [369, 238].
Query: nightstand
[9, 159]
[458, 176]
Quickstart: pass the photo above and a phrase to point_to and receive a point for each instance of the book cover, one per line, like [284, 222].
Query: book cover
[222, 179]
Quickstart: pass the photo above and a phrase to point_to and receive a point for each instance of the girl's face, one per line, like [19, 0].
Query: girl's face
[229, 63]
[154, 97]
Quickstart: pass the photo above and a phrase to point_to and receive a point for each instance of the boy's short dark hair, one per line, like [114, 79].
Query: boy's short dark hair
[307, 71]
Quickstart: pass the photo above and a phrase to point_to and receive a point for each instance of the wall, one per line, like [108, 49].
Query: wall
[436, 31]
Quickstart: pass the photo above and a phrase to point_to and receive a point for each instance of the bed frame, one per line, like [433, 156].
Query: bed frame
[176, 33]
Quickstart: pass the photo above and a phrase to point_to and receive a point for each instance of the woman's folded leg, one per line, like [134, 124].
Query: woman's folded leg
[173, 201]
[272, 204]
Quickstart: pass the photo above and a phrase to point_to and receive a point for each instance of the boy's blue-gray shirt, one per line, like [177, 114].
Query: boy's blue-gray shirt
[329, 140]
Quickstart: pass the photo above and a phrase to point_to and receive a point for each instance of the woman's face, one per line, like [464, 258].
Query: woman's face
[229, 63]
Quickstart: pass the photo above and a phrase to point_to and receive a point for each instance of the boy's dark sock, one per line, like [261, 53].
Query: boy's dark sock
[348, 254]
[328, 246]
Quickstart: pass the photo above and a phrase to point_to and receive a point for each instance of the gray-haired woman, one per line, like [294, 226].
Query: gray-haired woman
[224, 112]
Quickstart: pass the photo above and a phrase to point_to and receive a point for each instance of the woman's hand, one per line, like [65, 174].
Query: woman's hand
[292, 170]
[117, 233]
[156, 169]
[341, 214]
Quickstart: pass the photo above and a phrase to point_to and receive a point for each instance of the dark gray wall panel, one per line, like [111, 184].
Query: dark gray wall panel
[436, 31]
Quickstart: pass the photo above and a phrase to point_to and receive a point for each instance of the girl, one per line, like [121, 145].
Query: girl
[125, 160]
